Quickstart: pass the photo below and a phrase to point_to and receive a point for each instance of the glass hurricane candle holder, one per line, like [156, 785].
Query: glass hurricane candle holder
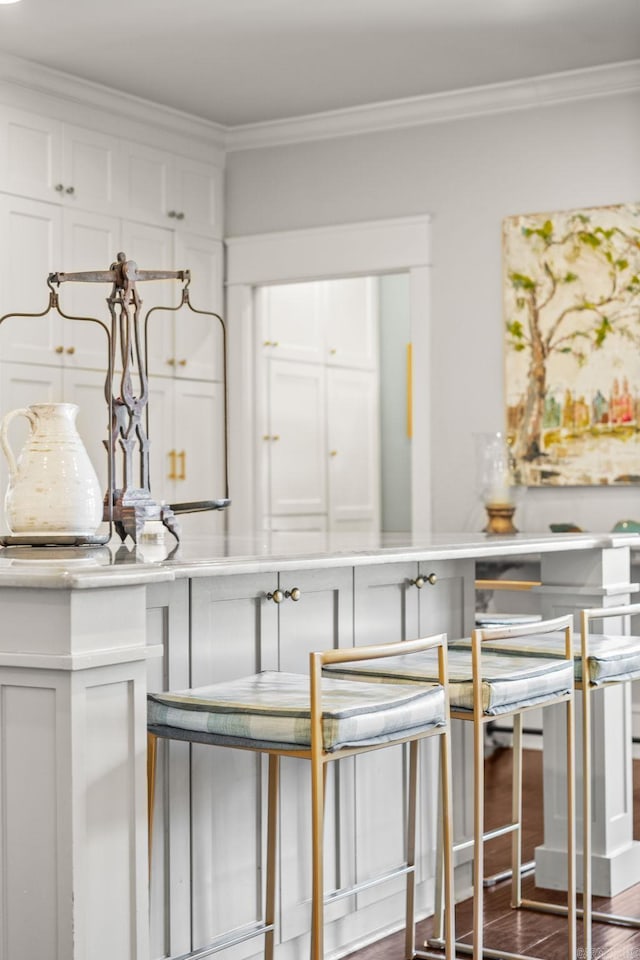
[495, 482]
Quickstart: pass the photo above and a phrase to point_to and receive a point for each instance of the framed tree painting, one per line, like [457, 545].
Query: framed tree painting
[572, 329]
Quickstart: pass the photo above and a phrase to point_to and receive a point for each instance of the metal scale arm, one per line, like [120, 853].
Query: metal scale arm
[128, 503]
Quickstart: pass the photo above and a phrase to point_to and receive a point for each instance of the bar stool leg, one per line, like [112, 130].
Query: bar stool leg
[571, 827]
[317, 833]
[478, 833]
[446, 832]
[410, 928]
[516, 813]
[272, 843]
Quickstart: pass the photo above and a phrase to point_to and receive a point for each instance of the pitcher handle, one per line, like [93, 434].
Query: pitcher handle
[4, 439]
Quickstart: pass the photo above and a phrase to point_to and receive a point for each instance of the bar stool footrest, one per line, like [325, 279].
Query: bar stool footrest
[228, 940]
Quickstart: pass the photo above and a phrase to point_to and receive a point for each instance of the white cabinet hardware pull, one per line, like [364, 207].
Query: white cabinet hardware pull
[277, 596]
[293, 594]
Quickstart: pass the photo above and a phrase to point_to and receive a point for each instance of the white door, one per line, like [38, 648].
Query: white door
[198, 339]
[146, 174]
[354, 449]
[30, 249]
[350, 312]
[296, 439]
[291, 321]
[86, 388]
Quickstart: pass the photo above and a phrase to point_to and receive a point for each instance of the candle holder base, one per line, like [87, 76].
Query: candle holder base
[500, 518]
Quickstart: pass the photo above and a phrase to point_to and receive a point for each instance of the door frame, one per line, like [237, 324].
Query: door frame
[322, 253]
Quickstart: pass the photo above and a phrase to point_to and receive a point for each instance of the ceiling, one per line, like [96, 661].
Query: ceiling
[246, 61]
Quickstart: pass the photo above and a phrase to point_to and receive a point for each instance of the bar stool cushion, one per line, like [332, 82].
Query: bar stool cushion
[611, 658]
[272, 709]
[509, 682]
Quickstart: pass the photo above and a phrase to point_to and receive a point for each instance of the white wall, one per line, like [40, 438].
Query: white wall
[468, 174]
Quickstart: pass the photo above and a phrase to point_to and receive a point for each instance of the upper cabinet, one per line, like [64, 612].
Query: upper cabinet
[171, 190]
[45, 159]
[350, 308]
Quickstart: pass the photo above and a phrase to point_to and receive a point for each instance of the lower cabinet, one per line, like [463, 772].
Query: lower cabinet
[209, 841]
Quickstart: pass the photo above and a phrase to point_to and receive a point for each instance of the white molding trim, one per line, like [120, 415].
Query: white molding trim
[545, 90]
[35, 77]
[350, 249]
[366, 248]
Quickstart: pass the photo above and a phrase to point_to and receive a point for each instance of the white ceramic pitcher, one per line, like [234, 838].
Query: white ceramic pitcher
[53, 487]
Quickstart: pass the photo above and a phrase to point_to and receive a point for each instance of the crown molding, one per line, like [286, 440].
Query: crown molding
[539, 91]
[34, 77]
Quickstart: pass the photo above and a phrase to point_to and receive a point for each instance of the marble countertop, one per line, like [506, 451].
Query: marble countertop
[150, 561]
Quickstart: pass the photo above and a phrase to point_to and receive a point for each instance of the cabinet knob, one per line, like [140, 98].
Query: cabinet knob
[267, 343]
[180, 215]
[59, 349]
[71, 351]
[70, 190]
[276, 436]
[277, 596]
[418, 582]
[432, 579]
[59, 187]
[293, 594]
[171, 361]
[334, 453]
[333, 351]
[172, 214]
[182, 363]
[275, 343]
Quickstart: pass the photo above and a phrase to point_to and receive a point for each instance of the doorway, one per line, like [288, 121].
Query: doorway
[375, 249]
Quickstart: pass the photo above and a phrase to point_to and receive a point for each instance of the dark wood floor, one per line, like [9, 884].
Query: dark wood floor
[523, 931]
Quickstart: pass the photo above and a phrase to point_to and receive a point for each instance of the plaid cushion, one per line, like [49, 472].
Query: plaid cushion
[611, 658]
[272, 709]
[509, 683]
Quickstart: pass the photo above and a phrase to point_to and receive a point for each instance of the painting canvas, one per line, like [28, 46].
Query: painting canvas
[572, 329]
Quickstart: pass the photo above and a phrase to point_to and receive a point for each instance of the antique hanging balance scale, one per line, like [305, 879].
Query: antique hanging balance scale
[128, 502]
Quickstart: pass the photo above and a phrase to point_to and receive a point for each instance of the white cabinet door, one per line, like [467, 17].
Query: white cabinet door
[199, 447]
[198, 339]
[197, 196]
[354, 449]
[296, 439]
[165, 188]
[233, 634]
[39, 238]
[90, 242]
[30, 249]
[90, 170]
[186, 430]
[152, 249]
[30, 154]
[350, 309]
[146, 175]
[290, 321]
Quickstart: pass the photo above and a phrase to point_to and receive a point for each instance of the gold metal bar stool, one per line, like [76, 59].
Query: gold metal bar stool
[483, 686]
[320, 719]
[601, 660]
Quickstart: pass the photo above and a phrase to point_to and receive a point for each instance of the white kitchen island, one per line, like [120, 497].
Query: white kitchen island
[86, 633]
